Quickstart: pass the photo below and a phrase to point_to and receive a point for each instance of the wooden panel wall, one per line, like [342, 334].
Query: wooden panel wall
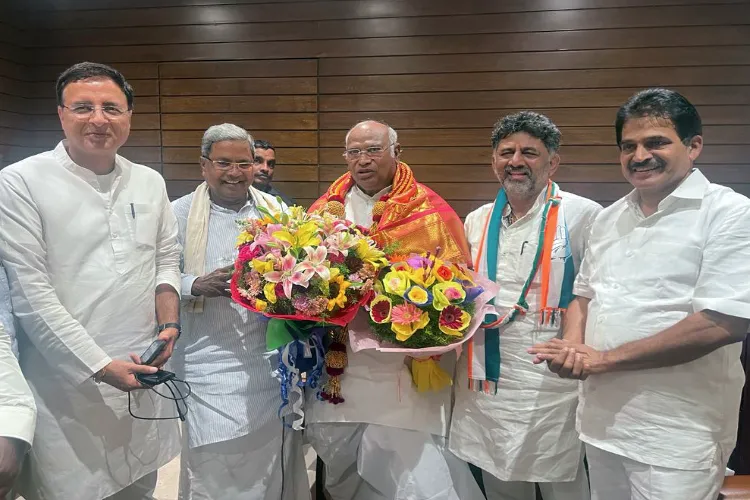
[14, 106]
[300, 73]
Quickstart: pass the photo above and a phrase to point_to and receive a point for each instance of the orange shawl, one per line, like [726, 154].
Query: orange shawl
[412, 217]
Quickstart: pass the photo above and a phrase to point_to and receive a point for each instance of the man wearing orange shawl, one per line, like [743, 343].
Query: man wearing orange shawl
[383, 440]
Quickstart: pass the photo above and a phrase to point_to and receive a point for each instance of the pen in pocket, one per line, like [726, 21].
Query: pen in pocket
[132, 210]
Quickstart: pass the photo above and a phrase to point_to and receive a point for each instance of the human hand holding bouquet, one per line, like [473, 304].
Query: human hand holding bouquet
[304, 271]
[424, 307]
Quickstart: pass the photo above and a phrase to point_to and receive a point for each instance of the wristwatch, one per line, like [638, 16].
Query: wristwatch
[164, 326]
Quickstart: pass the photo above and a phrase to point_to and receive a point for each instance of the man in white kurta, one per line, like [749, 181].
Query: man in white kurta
[386, 441]
[17, 408]
[235, 438]
[93, 261]
[664, 295]
[524, 433]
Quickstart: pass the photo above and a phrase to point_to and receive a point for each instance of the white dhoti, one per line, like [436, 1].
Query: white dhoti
[247, 468]
[375, 462]
[578, 489]
[143, 489]
[614, 477]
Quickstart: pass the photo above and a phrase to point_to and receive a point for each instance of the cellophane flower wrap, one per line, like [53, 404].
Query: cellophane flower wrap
[308, 273]
[423, 307]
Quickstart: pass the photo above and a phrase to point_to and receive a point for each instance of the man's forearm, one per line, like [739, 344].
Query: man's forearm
[574, 321]
[167, 304]
[694, 337]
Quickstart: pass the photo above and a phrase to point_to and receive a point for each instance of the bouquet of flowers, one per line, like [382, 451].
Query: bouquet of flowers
[424, 307]
[307, 272]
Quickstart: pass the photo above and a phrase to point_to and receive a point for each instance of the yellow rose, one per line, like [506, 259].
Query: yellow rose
[447, 293]
[396, 282]
[261, 305]
[417, 295]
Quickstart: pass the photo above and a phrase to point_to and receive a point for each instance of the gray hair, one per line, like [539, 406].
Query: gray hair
[392, 135]
[224, 132]
[535, 124]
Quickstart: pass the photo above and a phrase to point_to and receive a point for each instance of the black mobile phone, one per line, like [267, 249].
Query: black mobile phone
[153, 351]
[152, 379]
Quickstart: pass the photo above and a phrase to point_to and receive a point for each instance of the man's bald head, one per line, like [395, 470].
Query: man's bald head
[377, 127]
[371, 154]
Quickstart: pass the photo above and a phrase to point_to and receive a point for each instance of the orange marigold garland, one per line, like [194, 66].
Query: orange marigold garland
[336, 358]
[335, 362]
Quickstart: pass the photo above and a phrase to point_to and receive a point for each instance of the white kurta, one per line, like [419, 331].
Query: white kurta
[525, 432]
[83, 266]
[398, 450]
[643, 275]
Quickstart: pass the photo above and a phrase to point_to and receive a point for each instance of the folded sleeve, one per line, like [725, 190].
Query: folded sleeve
[168, 249]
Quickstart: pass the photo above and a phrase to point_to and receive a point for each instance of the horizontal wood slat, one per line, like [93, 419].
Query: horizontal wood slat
[278, 138]
[251, 29]
[249, 121]
[242, 104]
[550, 60]
[593, 136]
[318, 11]
[293, 156]
[574, 98]
[239, 86]
[446, 44]
[525, 80]
[734, 154]
[239, 69]
[485, 118]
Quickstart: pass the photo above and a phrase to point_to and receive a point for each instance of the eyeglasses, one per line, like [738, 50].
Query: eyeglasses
[226, 165]
[372, 152]
[86, 110]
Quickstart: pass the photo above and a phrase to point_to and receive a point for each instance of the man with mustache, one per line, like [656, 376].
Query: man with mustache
[662, 304]
[89, 241]
[381, 439]
[236, 446]
[264, 166]
[514, 420]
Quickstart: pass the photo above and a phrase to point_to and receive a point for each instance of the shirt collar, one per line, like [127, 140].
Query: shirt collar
[540, 200]
[62, 156]
[692, 187]
[374, 197]
[250, 203]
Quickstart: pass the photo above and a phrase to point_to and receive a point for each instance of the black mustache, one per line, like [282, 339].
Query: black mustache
[650, 163]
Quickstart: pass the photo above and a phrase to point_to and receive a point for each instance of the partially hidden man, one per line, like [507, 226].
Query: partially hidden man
[385, 440]
[513, 419]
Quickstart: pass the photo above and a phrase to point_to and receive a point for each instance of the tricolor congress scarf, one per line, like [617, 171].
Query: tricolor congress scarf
[553, 260]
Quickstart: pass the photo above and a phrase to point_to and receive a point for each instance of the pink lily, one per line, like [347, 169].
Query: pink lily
[315, 263]
[288, 276]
